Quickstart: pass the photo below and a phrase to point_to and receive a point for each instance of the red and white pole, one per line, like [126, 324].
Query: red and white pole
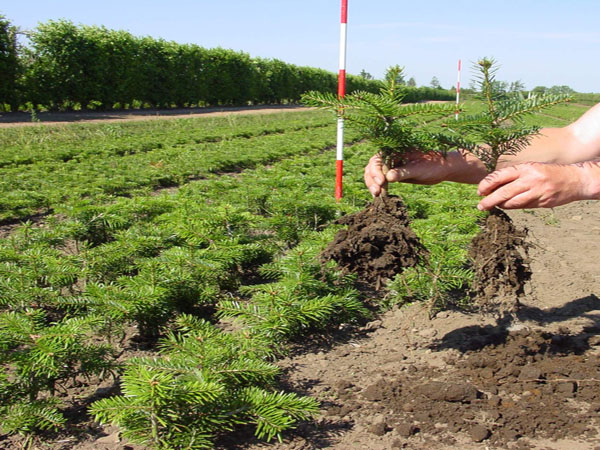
[341, 93]
[457, 91]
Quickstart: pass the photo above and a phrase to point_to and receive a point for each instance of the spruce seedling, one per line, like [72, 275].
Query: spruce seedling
[395, 128]
[500, 129]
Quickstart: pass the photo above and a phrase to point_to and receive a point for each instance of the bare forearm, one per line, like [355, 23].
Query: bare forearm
[463, 167]
[577, 142]
[565, 145]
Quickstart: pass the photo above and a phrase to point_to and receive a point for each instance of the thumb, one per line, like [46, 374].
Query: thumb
[399, 174]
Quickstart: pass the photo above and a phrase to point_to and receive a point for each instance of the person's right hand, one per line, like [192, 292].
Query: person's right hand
[539, 185]
[418, 168]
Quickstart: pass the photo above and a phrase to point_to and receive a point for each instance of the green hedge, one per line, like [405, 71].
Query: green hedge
[9, 64]
[70, 66]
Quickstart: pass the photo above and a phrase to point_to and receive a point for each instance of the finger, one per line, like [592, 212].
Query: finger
[525, 199]
[400, 174]
[373, 175]
[412, 173]
[374, 189]
[496, 179]
[376, 169]
[501, 195]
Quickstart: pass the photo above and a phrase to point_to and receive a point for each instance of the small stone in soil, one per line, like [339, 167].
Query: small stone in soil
[379, 428]
[567, 389]
[530, 373]
[479, 433]
[406, 429]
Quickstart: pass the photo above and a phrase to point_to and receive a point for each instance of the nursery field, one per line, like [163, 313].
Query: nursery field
[162, 286]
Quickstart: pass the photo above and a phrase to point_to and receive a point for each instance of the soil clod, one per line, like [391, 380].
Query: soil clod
[378, 243]
[499, 257]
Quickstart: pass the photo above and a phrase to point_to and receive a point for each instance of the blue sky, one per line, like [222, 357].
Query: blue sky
[546, 43]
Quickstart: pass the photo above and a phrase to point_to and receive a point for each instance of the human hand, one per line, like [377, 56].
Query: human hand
[418, 168]
[535, 185]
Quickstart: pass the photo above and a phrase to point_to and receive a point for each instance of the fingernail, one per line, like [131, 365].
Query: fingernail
[480, 208]
[373, 190]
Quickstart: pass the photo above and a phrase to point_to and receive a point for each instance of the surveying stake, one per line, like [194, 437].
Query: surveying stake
[341, 94]
[457, 91]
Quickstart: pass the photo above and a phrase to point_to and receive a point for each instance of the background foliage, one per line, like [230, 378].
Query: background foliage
[68, 66]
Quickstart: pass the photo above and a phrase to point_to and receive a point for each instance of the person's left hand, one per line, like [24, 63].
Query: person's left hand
[532, 185]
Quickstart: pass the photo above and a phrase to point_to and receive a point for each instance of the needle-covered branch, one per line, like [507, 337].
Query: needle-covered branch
[500, 129]
[382, 118]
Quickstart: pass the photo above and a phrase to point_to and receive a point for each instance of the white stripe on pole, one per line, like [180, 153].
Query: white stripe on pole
[343, 40]
[340, 139]
[341, 93]
[457, 91]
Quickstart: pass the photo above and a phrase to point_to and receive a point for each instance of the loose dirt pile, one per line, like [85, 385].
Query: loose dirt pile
[531, 384]
[378, 243]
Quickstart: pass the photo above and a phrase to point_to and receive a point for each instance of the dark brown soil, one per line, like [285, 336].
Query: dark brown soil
[499, 257]
[532, 384]
[378, 243]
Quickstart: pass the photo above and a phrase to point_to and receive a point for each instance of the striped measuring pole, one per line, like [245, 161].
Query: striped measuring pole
[339, 168]
[457, 91]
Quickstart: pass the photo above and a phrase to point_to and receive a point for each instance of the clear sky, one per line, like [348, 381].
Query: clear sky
[551, 42]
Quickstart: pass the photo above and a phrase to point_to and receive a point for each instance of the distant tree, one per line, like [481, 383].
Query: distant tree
[397, 73]
[500, 87]
[411, 82]
[435, 83]
[366, 75]
[539, 90]
[516, 86]
[561, 90]
[9, 64]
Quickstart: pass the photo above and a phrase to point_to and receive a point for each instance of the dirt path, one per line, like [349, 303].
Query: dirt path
[21, 119]
[530, 380]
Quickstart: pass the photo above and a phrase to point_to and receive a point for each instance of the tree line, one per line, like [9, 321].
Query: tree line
[67, 66]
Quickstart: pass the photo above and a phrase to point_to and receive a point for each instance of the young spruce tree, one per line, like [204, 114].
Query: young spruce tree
[395, 128]
[500, 129]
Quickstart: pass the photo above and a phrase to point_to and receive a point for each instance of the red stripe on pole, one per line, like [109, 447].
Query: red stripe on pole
[342, 84]
[339, 166]
[344, 11]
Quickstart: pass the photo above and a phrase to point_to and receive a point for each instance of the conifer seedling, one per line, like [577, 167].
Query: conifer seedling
[500, 129]
[500, 269]
[395, 128]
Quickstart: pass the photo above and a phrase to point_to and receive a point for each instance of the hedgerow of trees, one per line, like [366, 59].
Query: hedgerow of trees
[68, 66]
[9, 63]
